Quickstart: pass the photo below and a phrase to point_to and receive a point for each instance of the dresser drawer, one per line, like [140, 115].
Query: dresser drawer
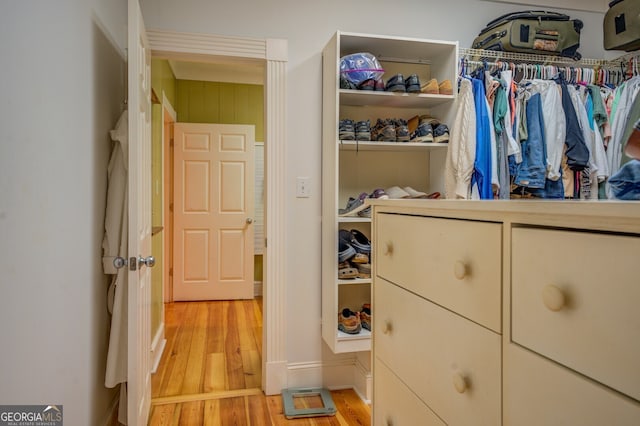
[575, 299]
[451, 363]
[395, 404]
[539, 392]
[454, 263]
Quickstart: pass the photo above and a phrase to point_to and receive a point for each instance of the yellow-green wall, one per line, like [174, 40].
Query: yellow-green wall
[223, 103]
[194, 102]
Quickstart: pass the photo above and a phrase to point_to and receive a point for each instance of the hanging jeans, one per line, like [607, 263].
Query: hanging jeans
[532, 171]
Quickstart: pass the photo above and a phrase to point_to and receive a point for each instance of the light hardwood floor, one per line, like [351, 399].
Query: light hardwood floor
[211, 369]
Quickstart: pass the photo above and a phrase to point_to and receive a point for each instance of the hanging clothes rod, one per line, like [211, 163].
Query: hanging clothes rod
[495, 56]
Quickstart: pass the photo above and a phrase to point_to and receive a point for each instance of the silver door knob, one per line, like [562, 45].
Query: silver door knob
[119, 262]
[149, 261]
[249, 220]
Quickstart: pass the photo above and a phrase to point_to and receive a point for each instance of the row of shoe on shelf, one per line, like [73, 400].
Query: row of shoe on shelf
[421, 128]
[354, 251]
[352, 322]
[356, 206]
[397, 83]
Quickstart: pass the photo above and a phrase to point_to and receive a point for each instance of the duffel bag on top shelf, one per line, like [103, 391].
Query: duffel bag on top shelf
[535, 31]
[622, 25]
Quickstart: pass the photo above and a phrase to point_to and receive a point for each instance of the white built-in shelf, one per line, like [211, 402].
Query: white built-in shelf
[363, 334]
[389, 146]
[353, 219]
[352, 281]
[391, 99]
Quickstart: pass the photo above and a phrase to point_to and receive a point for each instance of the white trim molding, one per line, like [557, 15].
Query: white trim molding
[343, 373]
[273, 52]
[157, 348]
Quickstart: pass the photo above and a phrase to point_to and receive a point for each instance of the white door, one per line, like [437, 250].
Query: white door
[139, 292]
[213, 211]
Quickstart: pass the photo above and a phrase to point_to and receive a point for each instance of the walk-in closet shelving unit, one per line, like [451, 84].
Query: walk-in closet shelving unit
[350, 167]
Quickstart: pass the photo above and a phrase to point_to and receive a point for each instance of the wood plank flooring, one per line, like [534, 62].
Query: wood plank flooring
[211, 371]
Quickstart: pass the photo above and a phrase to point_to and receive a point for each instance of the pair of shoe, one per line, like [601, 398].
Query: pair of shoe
[356, 205]
[354, 249]
[390, 130]
[398, 83]
[432, 87]
[376, 194]
[350, 270]
[349, 130]
[357, 240]
[428, 130]
[351, 322]
[369, 84]
[396, 192]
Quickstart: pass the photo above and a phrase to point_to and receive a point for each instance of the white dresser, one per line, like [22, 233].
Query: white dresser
[506, 312]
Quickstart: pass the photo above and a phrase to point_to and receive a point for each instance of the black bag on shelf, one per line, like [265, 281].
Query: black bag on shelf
[535, 31]
[621, 25]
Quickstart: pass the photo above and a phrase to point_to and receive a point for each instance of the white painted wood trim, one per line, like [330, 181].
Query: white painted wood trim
[257, 288]
[166, 106]
[274, 276]
[205, 47]
[177, 45]
[157, 348]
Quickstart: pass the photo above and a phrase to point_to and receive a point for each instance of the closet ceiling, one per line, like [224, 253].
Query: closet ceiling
[225, 72]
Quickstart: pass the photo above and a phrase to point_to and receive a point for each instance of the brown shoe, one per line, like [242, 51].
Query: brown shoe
[445, 88]
[430, 87]
[365, 316]
[349, 321]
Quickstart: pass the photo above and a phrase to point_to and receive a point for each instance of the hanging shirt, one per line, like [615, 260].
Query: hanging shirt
[481, 178]
[461, 153]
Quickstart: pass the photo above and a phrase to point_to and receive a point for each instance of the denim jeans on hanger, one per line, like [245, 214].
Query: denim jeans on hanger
[532, 170]
[625, 184]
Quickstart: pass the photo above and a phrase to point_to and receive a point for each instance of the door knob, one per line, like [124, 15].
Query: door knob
[249, 220]
[148, 261]
[119, 262]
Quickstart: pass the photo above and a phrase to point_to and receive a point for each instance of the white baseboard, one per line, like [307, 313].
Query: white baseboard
[257, 288]
[157, 347]
[363, 382]
[344, 373]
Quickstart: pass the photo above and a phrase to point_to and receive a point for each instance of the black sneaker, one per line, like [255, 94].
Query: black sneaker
[346, 130]
[412, 84]
[396, 84]
[346, 84]
[424, 133]
[363, 130]
[441, 134]
[402, 130]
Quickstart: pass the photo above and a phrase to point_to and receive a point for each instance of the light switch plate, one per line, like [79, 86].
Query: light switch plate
[303, 187]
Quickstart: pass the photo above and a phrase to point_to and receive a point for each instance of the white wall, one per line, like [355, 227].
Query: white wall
[308, 26]
[62, 86]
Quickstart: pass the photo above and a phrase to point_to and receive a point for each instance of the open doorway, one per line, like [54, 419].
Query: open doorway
[273, 54]
[212, 346]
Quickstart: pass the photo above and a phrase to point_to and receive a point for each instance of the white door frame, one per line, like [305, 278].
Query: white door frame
[274, 53]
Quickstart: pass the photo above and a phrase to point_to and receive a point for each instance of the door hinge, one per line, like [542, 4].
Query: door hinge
[171, 142]
[171, 207]
[170, 272]
[265, 242]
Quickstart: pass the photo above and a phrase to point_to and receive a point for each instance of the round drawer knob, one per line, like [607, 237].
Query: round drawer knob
[387, 327]
[389, 422]
[460, 270]
[387, 248]
[553, 298]
[460, 383]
